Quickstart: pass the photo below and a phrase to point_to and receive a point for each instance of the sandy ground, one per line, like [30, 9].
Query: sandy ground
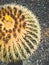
[41, 9]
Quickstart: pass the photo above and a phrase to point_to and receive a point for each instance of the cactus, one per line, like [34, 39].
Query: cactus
[19, 32]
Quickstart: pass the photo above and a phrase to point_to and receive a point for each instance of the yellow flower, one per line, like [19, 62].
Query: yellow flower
[7, 17]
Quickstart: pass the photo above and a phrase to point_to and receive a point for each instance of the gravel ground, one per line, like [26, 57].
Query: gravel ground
[41, 9]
